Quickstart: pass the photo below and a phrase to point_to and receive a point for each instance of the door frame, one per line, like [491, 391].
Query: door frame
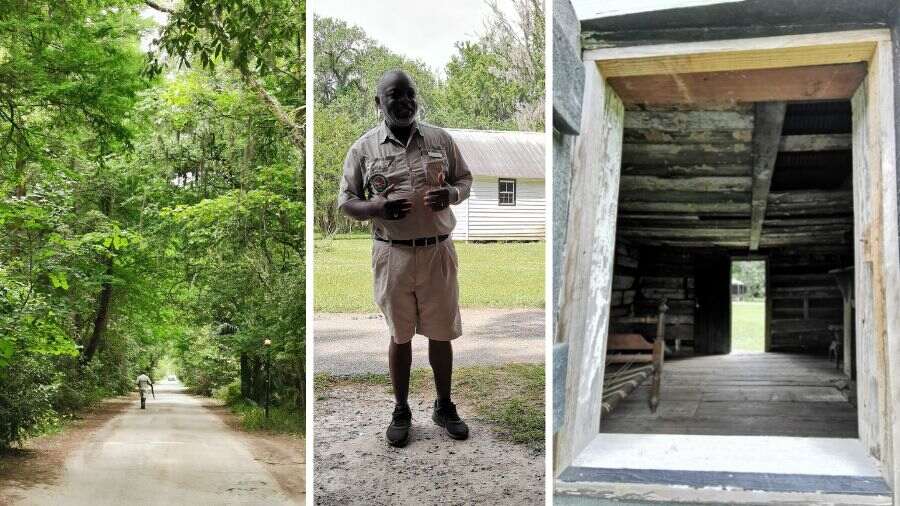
[587, 275]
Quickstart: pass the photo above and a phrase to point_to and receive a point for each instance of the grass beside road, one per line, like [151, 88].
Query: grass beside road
[509, 397]
[748, 326]
[491, 275]
[252, 416]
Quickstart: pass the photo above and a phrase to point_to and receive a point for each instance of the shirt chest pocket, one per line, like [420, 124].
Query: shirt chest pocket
[435, 165]
[387, 171]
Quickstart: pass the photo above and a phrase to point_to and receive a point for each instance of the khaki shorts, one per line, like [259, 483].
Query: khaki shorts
[417, 290]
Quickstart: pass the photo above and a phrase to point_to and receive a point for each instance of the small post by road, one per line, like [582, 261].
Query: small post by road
[268, 344]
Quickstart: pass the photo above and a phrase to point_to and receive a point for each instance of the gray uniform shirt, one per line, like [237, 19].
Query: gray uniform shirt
[143, 383]
[378, 159]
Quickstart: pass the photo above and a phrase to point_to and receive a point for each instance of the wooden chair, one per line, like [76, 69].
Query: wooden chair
[637, 359]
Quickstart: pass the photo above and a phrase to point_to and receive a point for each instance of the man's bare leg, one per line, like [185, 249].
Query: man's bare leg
[440, 356]
[400, 362]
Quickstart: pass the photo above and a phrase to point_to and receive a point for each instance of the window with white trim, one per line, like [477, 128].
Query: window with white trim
[506, 192]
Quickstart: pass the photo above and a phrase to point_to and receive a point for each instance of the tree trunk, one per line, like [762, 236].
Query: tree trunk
[298, 137]
[259, 390]
[102, 315]
[20, 173]
[246, 382]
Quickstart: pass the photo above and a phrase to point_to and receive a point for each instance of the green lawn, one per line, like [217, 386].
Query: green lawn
[748, 321]
[491, 275]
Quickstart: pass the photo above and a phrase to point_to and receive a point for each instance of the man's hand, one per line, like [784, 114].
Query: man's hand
[439, 198]
[389, 209]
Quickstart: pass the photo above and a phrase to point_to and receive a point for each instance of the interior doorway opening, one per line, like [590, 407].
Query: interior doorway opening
[748, 306]
[743, 301]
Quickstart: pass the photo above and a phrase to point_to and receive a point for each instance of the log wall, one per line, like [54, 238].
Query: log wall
[805, 299]
[646, 275]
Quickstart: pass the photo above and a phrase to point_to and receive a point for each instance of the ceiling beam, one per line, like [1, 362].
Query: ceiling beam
[766, 140]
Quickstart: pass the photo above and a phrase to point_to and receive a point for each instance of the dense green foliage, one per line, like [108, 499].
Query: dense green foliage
[495, 82]
[752, 274]
[146, 215]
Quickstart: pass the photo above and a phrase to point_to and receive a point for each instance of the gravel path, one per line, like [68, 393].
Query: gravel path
[354, 464]
[348, 344]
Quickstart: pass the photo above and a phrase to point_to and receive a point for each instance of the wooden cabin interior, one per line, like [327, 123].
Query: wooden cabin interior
[726, 166]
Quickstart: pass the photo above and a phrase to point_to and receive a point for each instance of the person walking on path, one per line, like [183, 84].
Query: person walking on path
[402, 176]
[144, 384]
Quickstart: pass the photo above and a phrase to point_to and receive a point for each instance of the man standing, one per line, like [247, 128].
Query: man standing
[403, 176]
[145, 384]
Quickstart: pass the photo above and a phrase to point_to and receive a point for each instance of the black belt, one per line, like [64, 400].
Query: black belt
[421, 241]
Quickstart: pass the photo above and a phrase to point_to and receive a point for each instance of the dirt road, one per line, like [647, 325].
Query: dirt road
[175, 452]
[354, 464]
[348, 344]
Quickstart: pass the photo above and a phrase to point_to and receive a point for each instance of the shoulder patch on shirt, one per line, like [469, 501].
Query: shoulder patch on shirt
[378, 183]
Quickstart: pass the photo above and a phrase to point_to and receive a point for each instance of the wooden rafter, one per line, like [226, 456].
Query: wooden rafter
[766, 140]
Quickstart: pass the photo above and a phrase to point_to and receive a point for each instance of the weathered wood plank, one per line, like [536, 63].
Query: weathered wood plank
[585, 292]
[668, 170]
[766, 137]
[814, 82]
[692, 184]
[684, 233]
[886, 69]
[653, 136]
[688, 154]
[687, 221]
[680, 122]
[705, 208]
[754, 394]
[687, 196]
[830, 142]
[739, 54]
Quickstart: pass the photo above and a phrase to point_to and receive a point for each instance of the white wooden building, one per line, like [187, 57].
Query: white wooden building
[507, 202]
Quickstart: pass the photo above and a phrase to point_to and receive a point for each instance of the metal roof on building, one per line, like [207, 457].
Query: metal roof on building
[500, 153]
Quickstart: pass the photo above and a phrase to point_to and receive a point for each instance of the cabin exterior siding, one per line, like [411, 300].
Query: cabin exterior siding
[461, 212]
[481, 218]
[491, 156]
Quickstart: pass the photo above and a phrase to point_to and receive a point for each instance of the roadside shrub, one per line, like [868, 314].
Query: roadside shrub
[230, 393]
[27, 389]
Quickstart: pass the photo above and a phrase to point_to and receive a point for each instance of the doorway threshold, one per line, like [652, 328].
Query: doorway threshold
[794, 467]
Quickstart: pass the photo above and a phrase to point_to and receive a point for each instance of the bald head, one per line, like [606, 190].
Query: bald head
[393, 76]
[396, 98]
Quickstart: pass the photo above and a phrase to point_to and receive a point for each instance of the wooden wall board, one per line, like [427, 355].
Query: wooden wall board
[883, 76]
[870, 426]
[813, 82]
[588, 270]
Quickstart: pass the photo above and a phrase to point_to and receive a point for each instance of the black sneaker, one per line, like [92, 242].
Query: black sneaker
[445, 415]
[398, 431]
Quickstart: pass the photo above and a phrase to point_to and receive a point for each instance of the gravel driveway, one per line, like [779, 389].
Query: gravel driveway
[348, 344]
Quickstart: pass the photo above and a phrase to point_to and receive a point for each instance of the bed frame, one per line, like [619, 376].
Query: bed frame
[637, 359]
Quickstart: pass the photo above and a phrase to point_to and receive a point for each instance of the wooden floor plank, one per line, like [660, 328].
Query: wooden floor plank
[742, 394]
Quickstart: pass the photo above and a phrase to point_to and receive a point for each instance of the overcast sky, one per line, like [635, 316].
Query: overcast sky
[423, 30]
